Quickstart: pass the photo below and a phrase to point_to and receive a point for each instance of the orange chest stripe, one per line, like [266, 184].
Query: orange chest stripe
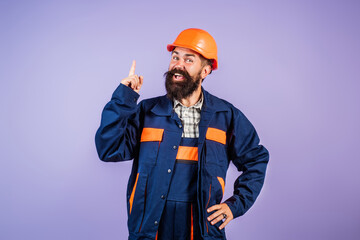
[152, 134]
[187, 153]
[216, 135]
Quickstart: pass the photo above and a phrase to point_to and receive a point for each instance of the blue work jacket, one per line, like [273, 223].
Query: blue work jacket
[150, 134]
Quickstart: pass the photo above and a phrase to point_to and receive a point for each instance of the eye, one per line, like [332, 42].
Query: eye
[189, 60]
[175, 57]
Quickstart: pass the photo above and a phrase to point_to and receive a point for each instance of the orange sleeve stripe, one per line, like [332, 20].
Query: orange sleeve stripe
[156, 235]
[222, 183]
[152, 134]
[216, 135]
[133, 192]
[187, 153]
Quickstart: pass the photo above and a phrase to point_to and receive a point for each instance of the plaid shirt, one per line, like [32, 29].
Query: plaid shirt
[190, 117]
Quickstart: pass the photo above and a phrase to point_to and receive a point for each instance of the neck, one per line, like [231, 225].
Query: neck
[193, 98]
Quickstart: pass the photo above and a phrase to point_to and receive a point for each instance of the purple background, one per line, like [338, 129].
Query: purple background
[291, 66]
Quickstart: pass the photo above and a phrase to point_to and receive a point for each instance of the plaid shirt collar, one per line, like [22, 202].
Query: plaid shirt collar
[197, 105]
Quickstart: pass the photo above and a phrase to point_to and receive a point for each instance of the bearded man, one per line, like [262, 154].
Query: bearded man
[181, 145]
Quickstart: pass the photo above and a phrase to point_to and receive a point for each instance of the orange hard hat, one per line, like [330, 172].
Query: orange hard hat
[199, 41]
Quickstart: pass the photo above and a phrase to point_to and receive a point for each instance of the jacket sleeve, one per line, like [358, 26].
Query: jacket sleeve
[118, 135]
[250, 158]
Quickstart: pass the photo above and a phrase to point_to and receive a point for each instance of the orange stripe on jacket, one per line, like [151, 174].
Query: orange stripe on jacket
[222, 183]
[216, 135]
[133, 192]
[152, 134]
[192, 224]
[187, 153]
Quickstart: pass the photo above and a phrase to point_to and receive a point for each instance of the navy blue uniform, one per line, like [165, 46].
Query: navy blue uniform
[150, 134]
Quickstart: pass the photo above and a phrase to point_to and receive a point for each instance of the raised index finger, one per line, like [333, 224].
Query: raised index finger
[132, 69]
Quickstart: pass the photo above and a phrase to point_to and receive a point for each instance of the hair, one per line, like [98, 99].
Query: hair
[206, 61]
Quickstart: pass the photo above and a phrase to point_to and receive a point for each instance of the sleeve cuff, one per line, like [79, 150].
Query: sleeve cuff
[232, 202]
[125, 95]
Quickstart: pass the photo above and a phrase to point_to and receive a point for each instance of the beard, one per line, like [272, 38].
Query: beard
[181, 89]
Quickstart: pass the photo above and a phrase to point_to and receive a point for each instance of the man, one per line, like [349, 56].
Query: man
[182, 144]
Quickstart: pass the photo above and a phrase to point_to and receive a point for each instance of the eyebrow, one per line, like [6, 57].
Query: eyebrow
[187, 54]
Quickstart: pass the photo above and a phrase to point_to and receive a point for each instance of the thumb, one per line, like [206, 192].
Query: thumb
[141, 80]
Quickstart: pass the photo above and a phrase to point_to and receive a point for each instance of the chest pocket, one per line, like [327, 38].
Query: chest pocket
[149, 145]
[216, 146]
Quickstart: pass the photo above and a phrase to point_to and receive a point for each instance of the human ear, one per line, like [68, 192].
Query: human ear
[205, 71]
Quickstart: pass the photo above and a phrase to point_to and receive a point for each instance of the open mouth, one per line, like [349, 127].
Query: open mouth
[178, 77]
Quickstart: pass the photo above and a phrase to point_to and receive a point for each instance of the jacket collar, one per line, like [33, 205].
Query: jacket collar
[211, 104]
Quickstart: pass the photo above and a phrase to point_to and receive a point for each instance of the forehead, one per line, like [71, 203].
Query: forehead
[184, 51]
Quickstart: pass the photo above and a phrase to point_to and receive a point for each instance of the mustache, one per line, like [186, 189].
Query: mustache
[172, 72]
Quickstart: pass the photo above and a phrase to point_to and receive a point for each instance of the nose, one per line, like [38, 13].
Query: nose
[179, 65]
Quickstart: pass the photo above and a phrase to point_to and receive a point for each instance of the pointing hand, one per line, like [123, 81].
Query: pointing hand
[133, 81]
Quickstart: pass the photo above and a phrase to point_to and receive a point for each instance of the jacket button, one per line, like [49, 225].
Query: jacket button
[156, 223]
[169, 170]
[162, 196]
[180, 126]
[174, 147]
